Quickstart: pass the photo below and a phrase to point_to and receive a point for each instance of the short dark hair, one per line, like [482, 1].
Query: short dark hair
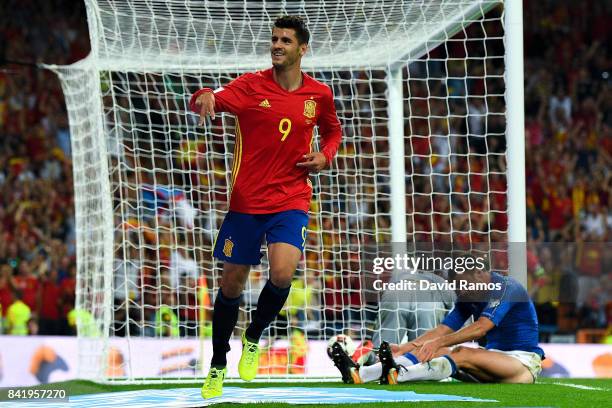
[298, 24]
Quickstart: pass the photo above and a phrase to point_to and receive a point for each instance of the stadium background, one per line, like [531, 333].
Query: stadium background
[569, 150]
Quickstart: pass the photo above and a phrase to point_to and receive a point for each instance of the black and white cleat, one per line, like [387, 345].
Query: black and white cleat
[389, 367]
[348, 368]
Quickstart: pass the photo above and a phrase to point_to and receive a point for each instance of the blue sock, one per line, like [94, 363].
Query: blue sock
[412, 358]
[452, 363]
[225, 316]
[270, 302]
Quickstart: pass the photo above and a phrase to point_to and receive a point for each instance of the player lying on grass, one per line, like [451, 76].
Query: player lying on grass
[276, 111]
[505, 315]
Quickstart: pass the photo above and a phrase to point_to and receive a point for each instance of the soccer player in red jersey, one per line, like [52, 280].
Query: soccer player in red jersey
[276, 111]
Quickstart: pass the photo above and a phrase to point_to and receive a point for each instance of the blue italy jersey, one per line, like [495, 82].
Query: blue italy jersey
[512, 312]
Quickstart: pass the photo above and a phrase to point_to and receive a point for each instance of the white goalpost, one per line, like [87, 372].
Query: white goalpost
[429, 95]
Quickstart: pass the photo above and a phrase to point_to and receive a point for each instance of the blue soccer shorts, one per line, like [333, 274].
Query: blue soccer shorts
[241, 235]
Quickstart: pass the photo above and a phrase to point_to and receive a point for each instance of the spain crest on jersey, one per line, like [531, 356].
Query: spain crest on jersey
[310, 108]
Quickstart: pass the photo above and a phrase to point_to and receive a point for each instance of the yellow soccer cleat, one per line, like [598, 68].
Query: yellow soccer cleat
[249, 360]
[213, 385]
[392, 376]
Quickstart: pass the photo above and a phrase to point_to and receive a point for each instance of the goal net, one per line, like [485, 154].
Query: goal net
[419, 90]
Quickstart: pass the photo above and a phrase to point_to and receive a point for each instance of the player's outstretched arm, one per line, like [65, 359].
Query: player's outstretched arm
[470, 332]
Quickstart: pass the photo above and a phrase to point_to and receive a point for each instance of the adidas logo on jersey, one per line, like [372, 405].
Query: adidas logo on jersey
[265, 104]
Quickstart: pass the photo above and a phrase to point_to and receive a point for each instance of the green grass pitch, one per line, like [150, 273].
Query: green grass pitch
[547, 392]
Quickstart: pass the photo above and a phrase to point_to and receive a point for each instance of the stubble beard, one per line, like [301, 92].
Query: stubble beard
[286, 65]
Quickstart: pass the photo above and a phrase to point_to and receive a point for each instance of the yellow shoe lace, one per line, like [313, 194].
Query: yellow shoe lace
[251, 354]
[213, 378]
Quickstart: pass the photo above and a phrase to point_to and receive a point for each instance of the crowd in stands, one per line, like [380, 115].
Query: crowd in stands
[569, 183]
[568, 115]
[37, 226]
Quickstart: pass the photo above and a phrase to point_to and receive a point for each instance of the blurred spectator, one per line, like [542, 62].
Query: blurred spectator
[6, 291]
[560, 107]
[608, 336]
[18, 316]
[49, 302]
[68, 297]
[166, 322]
[83, 321]
[28, 284]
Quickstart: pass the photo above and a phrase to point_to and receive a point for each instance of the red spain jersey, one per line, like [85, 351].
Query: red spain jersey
[274, 129]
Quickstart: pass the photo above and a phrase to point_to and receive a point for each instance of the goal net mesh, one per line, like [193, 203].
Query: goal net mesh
[152, 187]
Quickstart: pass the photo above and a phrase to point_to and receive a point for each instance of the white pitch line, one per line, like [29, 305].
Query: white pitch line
[582, 387]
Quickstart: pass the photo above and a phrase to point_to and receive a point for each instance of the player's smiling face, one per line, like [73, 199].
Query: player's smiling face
[285, 48]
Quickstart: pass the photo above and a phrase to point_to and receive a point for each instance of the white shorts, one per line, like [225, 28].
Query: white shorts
[532, 361]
